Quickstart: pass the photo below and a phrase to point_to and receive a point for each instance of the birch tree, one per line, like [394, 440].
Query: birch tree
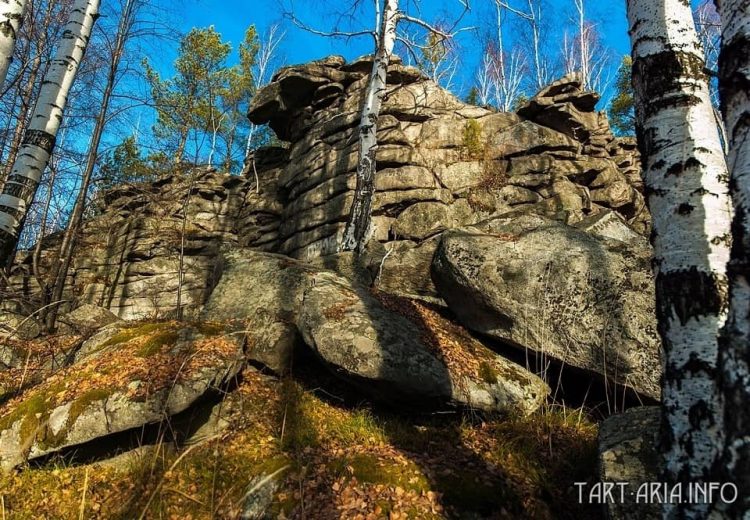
[685, 176]
[584, 53]
[388, 17]
[531, 17]
[44, 26]
[500, 79]
[734, 353]
[39, 141]
[358, 227]
[127, 27]
[265, 60]
[11, 16]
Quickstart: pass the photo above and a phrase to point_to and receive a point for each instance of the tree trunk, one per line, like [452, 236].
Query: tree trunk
[534, 22]
[734, 351]
[11, 16]
[180, 153]
[22, 122]
[59, 272]
[686, 183]
[39, 141]
[583, 43]
[27, 91]
[358, 228]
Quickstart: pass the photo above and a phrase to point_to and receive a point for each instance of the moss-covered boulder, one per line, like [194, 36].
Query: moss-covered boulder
[394, 349]
[139, 375]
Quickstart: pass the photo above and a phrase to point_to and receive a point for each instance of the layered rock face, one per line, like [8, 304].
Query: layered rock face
[441, 163]
[528, 229]
[128, 256]
[548, 197]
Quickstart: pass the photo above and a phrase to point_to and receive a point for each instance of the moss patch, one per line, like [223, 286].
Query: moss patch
[472, 138]
[129, 334]
[488, 373]
[343, 461]
[155, 343]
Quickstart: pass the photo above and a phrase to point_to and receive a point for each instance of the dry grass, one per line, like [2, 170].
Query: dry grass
[342, 462]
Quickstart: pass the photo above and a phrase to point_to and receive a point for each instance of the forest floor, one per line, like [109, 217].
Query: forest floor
[330, 455]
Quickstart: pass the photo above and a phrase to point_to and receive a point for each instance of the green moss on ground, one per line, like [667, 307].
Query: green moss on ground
[341, 461]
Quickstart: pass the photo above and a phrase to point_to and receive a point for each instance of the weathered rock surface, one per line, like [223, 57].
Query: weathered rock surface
[128, 258]
[361, 339]
[555, 289]
[140, 375]
[261, 294]
[87, 318]
[628, 453]
[442, 164]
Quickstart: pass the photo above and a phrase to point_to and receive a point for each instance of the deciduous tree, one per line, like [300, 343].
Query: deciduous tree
[11, 16]
[733, 464]
[39, 141]
[686, 183]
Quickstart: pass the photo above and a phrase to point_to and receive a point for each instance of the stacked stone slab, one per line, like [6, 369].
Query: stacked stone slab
[442, 164]
[128, 256]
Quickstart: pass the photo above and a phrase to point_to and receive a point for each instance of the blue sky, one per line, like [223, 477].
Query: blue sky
[232, 17]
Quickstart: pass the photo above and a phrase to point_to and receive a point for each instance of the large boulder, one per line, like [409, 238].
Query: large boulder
[260, 293]
[538, 284]
[364, 337]
[141, 375]
[394, 352]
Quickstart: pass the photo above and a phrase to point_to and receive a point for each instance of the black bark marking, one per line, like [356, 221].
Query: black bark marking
[685, 209]
[40, 139]
[732, 62]
[682, 167]
[660, 78]
[688, 293]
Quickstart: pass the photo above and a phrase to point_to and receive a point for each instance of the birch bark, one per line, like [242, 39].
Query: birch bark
[686, 182]
[11, 16]
[358, 227]
[39, 140]
[734, 351]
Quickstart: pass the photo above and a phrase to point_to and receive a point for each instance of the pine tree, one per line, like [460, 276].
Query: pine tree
[125, 164]
[622, 108]
[188, 104]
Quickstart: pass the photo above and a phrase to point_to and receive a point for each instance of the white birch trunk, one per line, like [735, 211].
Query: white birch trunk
[358, 228]
[686, 183]
[734, 353]
[39, 141]
[534, 14]
[11, 16]
[500, 58]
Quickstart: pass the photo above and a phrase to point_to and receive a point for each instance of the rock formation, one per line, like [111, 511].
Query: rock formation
[527, 228]
[442, 164]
